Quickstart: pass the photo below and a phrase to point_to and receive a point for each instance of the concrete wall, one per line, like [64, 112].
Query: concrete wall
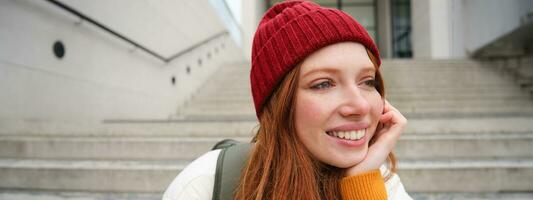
[384, 29]
[165, 26]
[227, 18]
[252, 12]
[421, 36]
[440, 28]
[487, 20]
[100, 77]
[457, 36]
[455, 28]
[431, 28]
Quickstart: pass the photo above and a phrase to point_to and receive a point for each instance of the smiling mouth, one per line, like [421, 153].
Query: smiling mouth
[348, 135]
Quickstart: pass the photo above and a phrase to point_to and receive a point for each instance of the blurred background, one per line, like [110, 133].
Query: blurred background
[111, 99]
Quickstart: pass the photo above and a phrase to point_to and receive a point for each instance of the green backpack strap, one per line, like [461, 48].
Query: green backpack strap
[230, 161]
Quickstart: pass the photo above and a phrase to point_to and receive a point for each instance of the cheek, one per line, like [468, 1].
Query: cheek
[376, 108]
[375, 101]
[310, 114]
[308, 110]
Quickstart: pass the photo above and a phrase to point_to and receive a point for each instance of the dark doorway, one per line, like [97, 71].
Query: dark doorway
[401, 28]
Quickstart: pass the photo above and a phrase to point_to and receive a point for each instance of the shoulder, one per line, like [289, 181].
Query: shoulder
[394, 186]
[196, 180]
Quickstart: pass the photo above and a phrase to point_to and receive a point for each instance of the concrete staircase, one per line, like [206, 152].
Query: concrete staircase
[470, 130]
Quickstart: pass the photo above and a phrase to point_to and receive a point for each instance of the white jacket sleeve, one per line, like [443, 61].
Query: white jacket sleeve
[196, 181]
[395, 189]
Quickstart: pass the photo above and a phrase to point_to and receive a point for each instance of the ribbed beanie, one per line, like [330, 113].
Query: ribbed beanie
[289, 32]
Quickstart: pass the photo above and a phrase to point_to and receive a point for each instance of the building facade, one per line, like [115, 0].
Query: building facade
[433, 29]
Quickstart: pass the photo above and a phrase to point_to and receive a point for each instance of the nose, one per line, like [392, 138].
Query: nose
[354, 103]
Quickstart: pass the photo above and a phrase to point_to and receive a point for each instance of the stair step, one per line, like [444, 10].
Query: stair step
[88, 175]
[471, 195]
[215, 127]
[467, 175]
[107, 148]
[11, 194]
[458, 145]
[444, 175]
[464, 145]
[460, 137]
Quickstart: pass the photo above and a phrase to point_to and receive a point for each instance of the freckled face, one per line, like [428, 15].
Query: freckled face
[337, 106]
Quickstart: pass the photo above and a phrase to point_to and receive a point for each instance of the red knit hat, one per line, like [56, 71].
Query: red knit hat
[289, 32]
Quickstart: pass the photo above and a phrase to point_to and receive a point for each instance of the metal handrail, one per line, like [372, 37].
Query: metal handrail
[136, 44]
[195, 46]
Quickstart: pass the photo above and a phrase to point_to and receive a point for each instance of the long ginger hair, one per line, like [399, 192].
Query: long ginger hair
[279, 166]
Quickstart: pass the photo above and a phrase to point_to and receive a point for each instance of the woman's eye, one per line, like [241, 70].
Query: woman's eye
[371, 83]
[322, 85]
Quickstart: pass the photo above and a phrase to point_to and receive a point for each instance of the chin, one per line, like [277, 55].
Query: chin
[347, 163]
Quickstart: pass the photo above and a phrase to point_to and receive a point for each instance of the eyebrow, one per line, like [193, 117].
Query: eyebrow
[327, 70]
[334, 70]
[368, 69]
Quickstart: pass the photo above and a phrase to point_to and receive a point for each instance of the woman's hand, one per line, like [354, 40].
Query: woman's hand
[392, 124]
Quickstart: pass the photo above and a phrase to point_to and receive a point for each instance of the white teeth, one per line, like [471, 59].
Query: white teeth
[353, 135]
[360, 134]
[348, 135]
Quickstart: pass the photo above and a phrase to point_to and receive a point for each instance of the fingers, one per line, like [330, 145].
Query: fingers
[393, 125]
[386, 117]
[392, 114]
[388, 107]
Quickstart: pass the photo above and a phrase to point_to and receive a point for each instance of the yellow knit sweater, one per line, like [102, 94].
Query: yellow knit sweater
[365, 186]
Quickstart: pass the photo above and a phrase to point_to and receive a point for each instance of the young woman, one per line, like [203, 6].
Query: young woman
[326, 130]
